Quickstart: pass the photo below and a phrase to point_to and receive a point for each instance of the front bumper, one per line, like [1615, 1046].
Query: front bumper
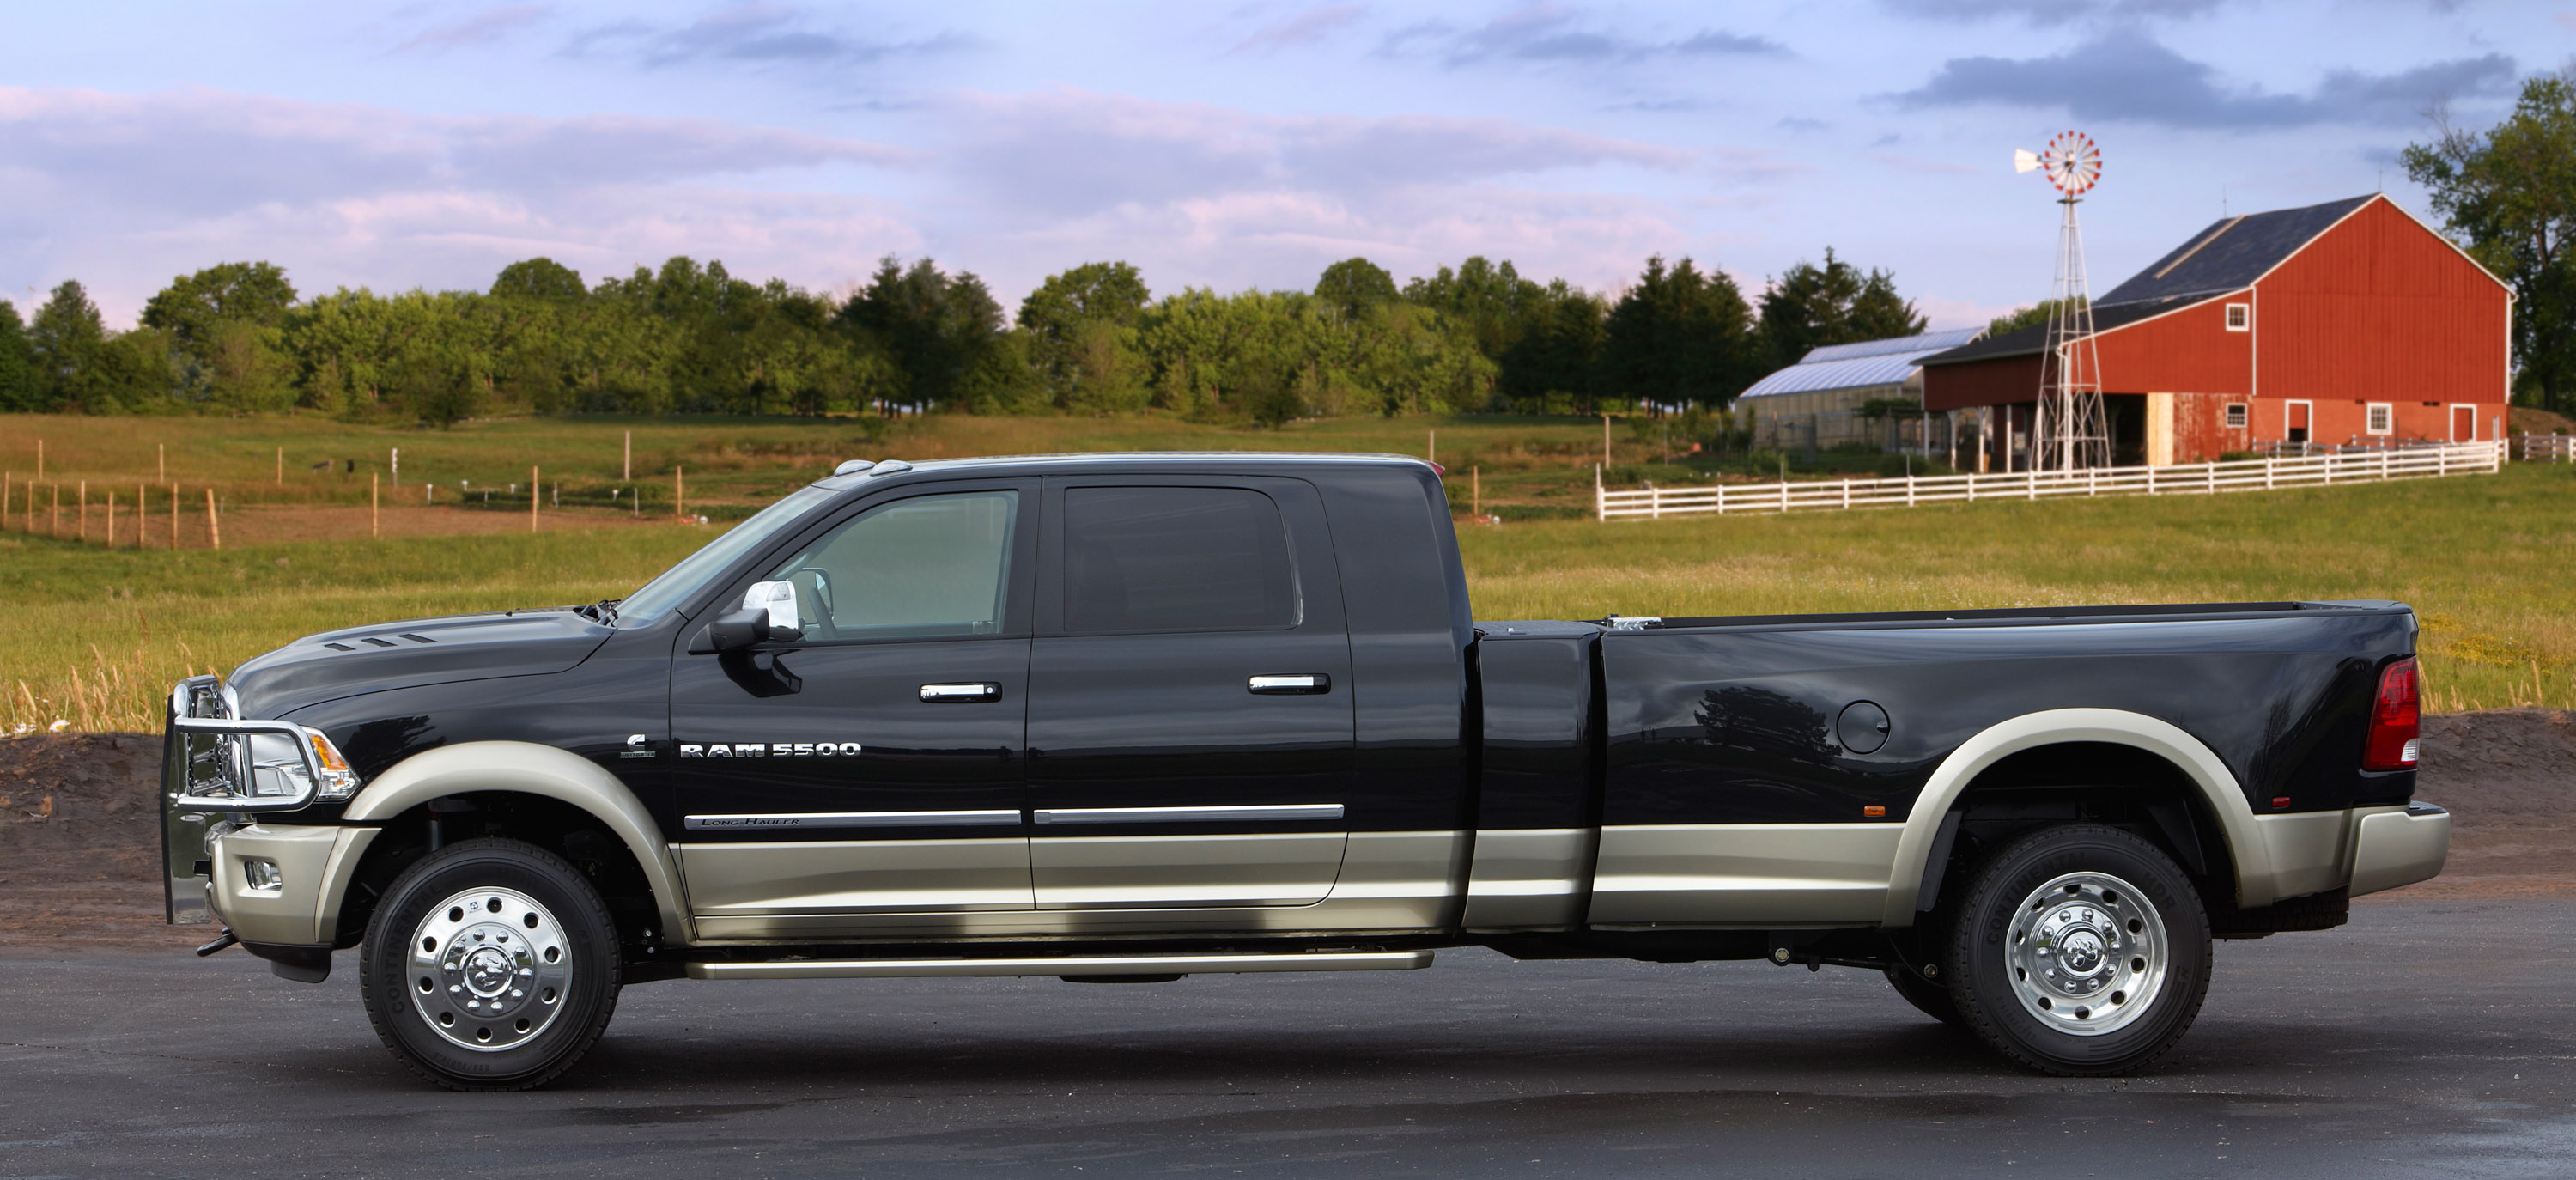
[282, 884]
[2399, 847]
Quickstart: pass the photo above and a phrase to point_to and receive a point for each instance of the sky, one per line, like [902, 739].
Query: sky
[1225, 146]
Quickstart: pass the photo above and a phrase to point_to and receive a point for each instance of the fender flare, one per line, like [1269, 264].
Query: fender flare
[2247, 850]
[528, 768]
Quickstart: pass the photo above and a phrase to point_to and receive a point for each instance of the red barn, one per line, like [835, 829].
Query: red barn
[2338, 324]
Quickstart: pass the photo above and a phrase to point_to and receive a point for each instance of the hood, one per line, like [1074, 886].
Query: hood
[414, 652]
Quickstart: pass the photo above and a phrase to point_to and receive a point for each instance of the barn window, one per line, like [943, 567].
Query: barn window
[2240, 317]
[2381, 418]
[2236, 415]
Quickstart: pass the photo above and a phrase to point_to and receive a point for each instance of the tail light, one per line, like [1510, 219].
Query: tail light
[2396, 719]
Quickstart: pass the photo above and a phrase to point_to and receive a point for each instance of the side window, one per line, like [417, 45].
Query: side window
[1175, 559]
[932, 565]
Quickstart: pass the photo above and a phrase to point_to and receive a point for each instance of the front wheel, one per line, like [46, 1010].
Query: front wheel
[490, 965]
[2080, 951]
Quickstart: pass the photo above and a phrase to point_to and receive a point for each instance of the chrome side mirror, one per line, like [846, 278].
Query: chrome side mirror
[768, 613]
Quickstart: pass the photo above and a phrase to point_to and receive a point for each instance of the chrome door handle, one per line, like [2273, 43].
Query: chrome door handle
[1303, 684]
[952, 693]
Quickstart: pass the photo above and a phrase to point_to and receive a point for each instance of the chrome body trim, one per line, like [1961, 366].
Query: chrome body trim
[1070, 965]
[850, 819]
[979, 691]
[1300, 684]
[1168, 815]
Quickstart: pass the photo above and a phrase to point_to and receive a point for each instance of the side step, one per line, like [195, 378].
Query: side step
[1067, 965]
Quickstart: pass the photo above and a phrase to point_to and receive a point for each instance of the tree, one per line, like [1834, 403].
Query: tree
[1679, 336]
[2509, 195]
[17, 363]
[1812, 306]
[541, 279]
[191, 306]
[66, 336]
[1556, 357]
[943, 331]
[2033, 316]
[1081, 341]
[1354, 285]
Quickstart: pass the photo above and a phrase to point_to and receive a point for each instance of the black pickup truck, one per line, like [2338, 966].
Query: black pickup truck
[1137, 717]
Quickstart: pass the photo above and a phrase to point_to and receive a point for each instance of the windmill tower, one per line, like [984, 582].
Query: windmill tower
[2073, 430]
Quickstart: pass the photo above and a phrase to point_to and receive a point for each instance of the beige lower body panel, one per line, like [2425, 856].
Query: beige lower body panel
[855, 877]
[1167, 872]
[1744, 875]
[313, 866]
[2311, 851]
[1390, 883]
[1530, 878]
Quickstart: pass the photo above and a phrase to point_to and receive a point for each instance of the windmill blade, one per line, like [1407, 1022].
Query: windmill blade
[2025, 161]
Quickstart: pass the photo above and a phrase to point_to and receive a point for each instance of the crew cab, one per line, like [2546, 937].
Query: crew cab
[1135, 717]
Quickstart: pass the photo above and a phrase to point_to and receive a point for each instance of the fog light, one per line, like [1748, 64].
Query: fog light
[262, 875]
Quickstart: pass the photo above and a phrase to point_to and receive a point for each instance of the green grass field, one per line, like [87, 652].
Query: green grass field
[94, 637]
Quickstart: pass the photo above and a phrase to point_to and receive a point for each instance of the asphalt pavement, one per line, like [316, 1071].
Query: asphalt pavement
[2427, 1038]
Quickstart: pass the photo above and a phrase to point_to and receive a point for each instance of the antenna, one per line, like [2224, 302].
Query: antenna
[2073, 429]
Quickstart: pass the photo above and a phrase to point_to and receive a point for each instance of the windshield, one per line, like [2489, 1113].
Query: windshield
[662, 594]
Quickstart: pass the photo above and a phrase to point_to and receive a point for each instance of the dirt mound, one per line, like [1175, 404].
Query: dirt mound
[80, 855]
[79, 848]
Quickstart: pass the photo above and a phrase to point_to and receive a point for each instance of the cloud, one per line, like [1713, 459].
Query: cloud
[2128, 76]
[756, 34]
[481, 27]
[1548, 34]
[1075, 152]
[2052, 12]
[1305, 28]
[132, 187]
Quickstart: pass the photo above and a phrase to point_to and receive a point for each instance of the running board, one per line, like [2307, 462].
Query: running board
[1074, 965]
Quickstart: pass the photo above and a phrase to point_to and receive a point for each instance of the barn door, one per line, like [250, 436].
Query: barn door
[2298, 423]
[2464, 424]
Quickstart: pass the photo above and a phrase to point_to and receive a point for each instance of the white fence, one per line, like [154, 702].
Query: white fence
[2545, 448]
[2244, 475]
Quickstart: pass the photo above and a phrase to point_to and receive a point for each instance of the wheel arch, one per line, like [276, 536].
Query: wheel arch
[528, 768]
[2247, 853]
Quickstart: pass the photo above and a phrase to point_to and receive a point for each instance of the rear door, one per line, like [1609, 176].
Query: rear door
[1190, 724]
[866, 778]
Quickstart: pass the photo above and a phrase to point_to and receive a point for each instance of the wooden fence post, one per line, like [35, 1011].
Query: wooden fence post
[375, 506]
[111, 520]
[83, 534]
[142, 515]
[533, 496]
[680, 490]
[174, 517]
[214, 523]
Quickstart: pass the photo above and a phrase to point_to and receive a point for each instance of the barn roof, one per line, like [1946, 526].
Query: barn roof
[2232, 252]
[2025, 341]
[2226, 256]
[1852, 366]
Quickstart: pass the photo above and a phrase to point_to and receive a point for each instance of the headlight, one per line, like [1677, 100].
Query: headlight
[278, 770]
[338, 781]
[230, 764]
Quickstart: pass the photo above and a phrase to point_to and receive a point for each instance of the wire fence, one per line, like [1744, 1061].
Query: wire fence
[2242, 475]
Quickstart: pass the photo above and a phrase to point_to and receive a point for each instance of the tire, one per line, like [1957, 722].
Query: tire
[2079, 951]
[1930, 998]
[490, 965]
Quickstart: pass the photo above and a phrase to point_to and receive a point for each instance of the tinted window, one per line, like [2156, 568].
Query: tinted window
[1175, 559]
[933, 565]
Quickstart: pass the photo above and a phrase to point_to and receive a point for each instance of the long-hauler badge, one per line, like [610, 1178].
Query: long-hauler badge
[770, 750]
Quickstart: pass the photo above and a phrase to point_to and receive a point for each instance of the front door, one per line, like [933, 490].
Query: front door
[1190, 725]
[865, 778]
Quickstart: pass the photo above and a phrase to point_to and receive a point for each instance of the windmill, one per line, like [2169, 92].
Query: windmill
[2073, 430]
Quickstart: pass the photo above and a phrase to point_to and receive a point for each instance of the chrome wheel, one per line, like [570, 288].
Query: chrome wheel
[489, 969]
[2087, 953]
